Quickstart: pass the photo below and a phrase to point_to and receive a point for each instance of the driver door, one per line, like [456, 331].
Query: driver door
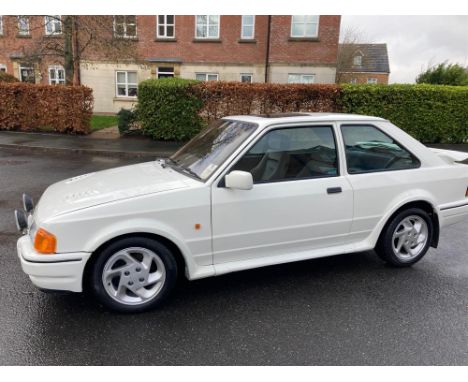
[299, 201]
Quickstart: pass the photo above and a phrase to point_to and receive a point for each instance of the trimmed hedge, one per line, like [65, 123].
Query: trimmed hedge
[173, 109]
[168, 109]
[430, 113]
[28, 107]
[5, 77]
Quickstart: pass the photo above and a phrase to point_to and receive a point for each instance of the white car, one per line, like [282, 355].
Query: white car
[247, 192]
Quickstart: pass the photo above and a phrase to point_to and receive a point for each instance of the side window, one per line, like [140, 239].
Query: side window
[292, 153]
[368, 150]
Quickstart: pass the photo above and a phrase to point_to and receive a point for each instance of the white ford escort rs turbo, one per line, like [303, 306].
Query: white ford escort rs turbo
[247, 192]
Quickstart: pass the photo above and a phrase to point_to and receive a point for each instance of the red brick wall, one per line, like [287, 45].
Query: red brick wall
[361, 78]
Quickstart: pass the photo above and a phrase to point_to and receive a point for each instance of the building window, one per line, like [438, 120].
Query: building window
[125, 26]
[207, 26]
[56, 75]
[353, 81]
[248, 27]
[206, 76]
[1, 25]
[166, 26]
[372, 80]
[126, 84]
[304, 26]
[23, 25]
[165, 71]
[3, 68]
[26, 74]
[301, 78]
[246, 77]
[53, 25]
[357, 60]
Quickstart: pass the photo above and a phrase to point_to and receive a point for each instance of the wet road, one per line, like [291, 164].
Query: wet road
[348, 309]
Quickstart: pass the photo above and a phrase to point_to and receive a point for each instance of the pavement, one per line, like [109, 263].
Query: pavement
[342, 310]
[126, 147]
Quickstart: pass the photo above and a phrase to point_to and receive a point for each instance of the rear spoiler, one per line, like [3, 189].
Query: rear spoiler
[451, 156]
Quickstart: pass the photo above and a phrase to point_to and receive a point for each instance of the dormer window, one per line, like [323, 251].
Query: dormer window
[357, 60]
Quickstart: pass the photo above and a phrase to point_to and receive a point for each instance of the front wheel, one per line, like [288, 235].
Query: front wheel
[133, 274]
[406, 238]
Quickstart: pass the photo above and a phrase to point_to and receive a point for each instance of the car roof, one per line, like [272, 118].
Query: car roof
[266, 119]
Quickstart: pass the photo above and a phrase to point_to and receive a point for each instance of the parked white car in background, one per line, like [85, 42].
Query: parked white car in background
[247, 192]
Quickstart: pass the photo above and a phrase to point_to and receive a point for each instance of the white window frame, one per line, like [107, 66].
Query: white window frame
[207, 74]
[21, 67]
[158, 72]
[207, 30]
[3, 68]
[304, 35]
[372, 80]
[357, 60]
[244, 24]
[125, 35]
[52, 20]
[1, 25]
[247, 74]
[302, 75]
[353, 80]
[20, 31]
[126, 83]
[56, 80]
[165, 24]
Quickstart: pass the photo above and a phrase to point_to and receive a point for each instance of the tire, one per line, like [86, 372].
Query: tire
[133, 274]
[400, 244]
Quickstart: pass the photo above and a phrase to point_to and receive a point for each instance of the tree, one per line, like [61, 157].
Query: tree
[69, 39]
[444, 74]
[347, 50]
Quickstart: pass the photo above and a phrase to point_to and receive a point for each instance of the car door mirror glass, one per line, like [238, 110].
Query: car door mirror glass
[239, 180]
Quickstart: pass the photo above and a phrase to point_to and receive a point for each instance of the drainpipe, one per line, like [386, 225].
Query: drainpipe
[267, 55]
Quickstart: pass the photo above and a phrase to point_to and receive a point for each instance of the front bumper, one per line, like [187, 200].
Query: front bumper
[55, 272]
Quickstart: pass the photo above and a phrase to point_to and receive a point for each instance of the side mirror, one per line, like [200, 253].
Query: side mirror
[239, 180]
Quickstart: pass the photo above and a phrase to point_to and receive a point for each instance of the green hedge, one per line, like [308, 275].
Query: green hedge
[430, 113]
[172, 108]
[168, 110]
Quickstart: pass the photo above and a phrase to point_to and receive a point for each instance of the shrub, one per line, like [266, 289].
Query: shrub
[430, 113]
[5, 77]
[168, 109]
[28, 107]
[233, 98]
[126, 121]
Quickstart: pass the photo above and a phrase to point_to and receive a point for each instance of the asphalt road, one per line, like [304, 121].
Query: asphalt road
[349, 309]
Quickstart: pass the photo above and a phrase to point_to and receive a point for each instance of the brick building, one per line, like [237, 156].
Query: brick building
[363, 64]
[246, 48]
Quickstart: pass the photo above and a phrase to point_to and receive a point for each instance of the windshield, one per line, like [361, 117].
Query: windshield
[210, 148]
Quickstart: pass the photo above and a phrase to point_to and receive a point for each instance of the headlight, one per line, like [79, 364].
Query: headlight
[45, 242]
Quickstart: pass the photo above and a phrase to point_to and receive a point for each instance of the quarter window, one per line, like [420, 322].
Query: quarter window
[305, 26]
[56, 75]
[23, 25]
[207, 26]
[126, 84]
[292, 153]
[248, 27]
[301, 78]
[166, 26]
[206, 76]
[125, 26]
[368, 149]
[53, 25]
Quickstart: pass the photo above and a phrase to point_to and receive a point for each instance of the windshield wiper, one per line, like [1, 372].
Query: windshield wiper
[171, 162]
[189, 171]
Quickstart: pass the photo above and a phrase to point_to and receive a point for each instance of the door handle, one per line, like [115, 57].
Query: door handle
[334, 190]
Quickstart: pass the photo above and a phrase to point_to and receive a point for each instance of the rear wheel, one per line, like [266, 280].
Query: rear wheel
[406, 238]
[133, 274]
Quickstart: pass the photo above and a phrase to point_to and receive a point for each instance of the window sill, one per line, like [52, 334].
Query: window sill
[214, 40]
[247, 41]
[304, 39]
[126, 99]
[23, 36]
[123, 38]
[164, 39]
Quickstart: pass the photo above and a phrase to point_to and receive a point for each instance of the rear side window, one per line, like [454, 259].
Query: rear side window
[368, 149]
[292, 153]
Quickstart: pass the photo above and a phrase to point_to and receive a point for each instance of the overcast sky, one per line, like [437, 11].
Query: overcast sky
[413, 42]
